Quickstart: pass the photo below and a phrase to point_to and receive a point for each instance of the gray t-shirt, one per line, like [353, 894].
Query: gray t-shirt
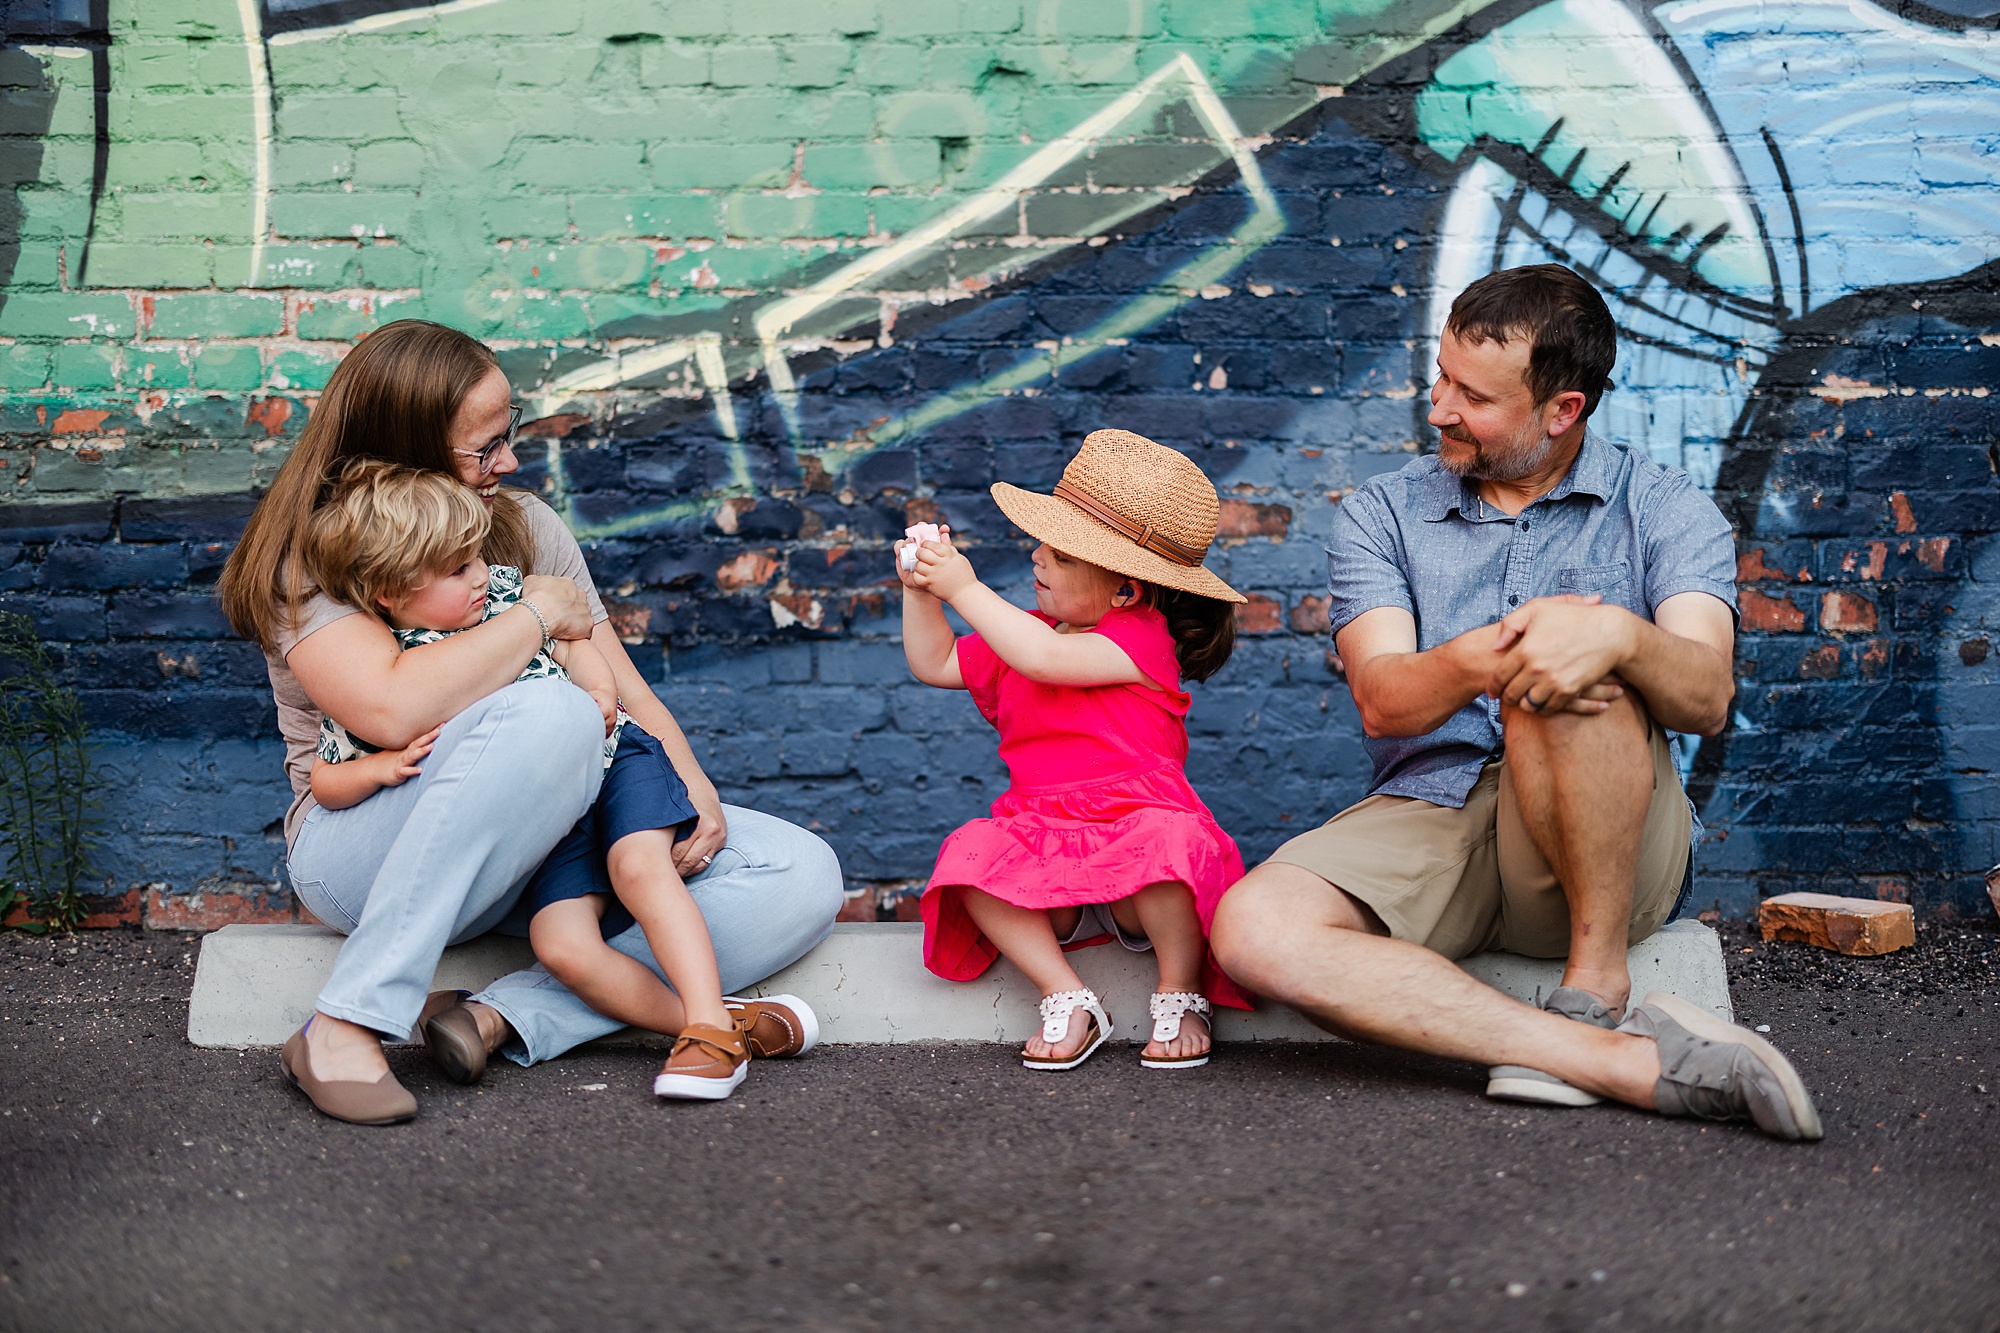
[556, 553]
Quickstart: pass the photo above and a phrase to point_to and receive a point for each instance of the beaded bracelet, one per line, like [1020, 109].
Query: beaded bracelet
[536, 612]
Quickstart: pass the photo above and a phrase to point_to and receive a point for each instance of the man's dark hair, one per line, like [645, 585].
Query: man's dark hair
[1572, 343]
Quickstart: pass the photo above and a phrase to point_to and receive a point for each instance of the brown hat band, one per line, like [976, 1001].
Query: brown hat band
[1143, 534]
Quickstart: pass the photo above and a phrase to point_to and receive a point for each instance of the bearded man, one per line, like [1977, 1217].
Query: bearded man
[1524, 616]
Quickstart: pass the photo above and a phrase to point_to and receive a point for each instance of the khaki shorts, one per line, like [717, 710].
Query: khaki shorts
[1463, 881]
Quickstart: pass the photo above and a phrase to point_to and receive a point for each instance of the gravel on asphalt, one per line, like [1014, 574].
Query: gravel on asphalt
[145, 1184]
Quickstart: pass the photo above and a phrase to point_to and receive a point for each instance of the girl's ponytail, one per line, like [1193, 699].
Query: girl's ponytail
[1204, 630]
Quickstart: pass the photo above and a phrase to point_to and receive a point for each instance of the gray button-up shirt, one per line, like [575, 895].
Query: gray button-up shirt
[1619, 525]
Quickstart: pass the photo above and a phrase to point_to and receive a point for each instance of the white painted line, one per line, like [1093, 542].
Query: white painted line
[260, 104]
[379, 22]
[779, 318]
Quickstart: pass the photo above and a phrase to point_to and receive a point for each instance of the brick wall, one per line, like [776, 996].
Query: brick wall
[776, 279]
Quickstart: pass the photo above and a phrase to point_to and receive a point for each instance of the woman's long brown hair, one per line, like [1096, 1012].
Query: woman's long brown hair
[392, 398]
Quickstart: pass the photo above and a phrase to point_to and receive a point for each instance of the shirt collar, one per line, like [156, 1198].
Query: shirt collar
[1594, 473]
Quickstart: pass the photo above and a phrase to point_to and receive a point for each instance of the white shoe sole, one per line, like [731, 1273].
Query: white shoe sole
[694, 1088]
[1195, 1063]
[807, 1018]
[1702, 1023]
[1548, 1091]
[1053, 1067]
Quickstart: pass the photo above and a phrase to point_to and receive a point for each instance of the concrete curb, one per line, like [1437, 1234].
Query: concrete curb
[254, 985]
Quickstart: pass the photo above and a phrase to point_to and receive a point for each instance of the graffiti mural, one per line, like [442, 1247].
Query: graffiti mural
[772, 284]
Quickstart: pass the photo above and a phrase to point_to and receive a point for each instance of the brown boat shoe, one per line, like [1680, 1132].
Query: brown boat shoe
[775, 1026]
[706, 1064]
[451, 1034]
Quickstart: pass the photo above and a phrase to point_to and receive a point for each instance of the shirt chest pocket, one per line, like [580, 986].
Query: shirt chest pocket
[1613, 583]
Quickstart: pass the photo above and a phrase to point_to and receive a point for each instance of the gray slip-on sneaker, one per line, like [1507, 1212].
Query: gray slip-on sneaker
[1518, 1083]
[1714, 1070]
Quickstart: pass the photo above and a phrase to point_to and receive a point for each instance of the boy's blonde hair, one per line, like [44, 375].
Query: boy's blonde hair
[386, 529]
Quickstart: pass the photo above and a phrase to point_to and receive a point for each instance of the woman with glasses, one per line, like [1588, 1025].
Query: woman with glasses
[442, 857]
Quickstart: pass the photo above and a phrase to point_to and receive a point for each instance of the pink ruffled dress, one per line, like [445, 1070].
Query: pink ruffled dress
[1099, 806]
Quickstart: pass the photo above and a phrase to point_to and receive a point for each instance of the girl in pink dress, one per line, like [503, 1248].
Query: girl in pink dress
[1099, 833]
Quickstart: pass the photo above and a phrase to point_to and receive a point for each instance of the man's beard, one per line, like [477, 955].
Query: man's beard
[1524, 457]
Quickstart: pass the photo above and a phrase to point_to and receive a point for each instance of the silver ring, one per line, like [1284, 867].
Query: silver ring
[1529, 701]
[706, 859]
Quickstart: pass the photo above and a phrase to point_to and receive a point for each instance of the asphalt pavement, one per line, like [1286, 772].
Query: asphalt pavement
[145, 1184]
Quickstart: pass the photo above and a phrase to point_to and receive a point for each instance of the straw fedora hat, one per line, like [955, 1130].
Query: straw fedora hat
[1135, 507]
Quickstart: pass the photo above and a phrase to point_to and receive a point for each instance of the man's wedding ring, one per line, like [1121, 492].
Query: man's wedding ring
[1529, 701]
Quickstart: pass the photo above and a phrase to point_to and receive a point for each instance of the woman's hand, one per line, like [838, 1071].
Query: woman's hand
[942, 569]
[693, 853]
[562, 604]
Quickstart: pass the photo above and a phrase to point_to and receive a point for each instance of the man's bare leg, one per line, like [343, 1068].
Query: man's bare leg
[1583, 783]
[1292, 937]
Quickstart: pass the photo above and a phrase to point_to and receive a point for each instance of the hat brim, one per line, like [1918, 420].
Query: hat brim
[1073, 532]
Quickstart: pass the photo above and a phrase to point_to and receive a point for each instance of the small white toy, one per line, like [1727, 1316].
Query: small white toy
[918, 533]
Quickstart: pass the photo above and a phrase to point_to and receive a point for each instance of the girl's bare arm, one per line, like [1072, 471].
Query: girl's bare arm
[928, 643]
[1022, 641]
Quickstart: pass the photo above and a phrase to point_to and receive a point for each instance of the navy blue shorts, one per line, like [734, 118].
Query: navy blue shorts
[641, 791]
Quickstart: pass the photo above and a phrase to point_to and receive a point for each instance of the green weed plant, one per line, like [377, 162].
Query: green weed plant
[49, 808]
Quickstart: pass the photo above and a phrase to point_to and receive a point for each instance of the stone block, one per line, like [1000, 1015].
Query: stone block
[66, 315]
[254, 985]
[303, 370]
[1859, 926]
[81, 367]
[228, 368]
[120, 265]
[60, 619]
[363, 213]
[24, 366]
[101, 911]
[216, 315]
[351, 116]
[168, 615]
[97, 566]
[44, 522]
[206, 518]
[215, 906]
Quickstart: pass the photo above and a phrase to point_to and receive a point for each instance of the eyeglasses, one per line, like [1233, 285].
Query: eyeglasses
[486, 453]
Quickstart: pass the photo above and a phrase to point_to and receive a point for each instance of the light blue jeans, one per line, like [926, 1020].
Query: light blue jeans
[442, 858]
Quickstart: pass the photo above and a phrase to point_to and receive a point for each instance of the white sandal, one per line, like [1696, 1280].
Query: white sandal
[1168, 1008]
[1056, 1011]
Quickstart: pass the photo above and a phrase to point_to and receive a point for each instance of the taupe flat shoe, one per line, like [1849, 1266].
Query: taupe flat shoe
[1712, 1069]
[381, 1102]
[451, 1035]
[1517, 1083]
